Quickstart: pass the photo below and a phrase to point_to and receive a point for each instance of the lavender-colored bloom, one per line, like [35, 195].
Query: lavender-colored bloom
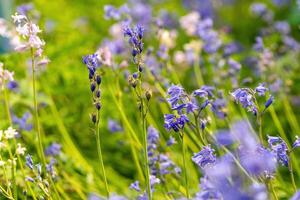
[258, 9]
[92, 62]
[280, 149]
[23, 121]
[29, 161]
[153, 135]
[135, 186]
[296, 143]
[282, 27]
[175, 93]
[242, 96]
[175, 123]
[53, 150]
[234, 65]
[224, 138]
[259, 44]
[28, 178]
[50, 167]
[231, 48]
[93, 196]
[258, 162]
[191, 107]
[12, 86]
[291, 43]
[296, 196]
[207, 191]
[23, 9]
[208, 89]
[200, 93]
[217, 107]
[269, 102]
[205, 157]
[114, 126]
[261, 89]
[171, 141]
[111, 12]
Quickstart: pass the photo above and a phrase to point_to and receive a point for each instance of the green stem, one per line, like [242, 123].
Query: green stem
[145, 147]
[184, 167]
[292, 173]
[273, 191]
[36, 114]
[100, 153]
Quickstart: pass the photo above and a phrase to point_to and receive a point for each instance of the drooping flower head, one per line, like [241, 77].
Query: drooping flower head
[175, 122]
[280, 149]
[205, 157]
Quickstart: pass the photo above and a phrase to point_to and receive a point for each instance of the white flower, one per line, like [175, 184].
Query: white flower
[19, 18]
[23, 30]
[2, 163]
[190, 22]
[20, 150]
[10, 133]
[35, 29]
[43, 62]
[35, 41]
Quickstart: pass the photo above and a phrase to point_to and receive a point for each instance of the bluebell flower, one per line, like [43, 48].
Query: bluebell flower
[296, 143]
[209, 89]
[200, 93]
[29, 161]
[208, 191]
[258, 9]
[280, 149]
[50, 167]
[23, 122]
[171, 141]
[191, 107]
[269, 102]
[175, 123]
[296, 196]
[261, 89]
[205, 157]
[23, 9]
[244, 97]
[53, 150]
[282, 27]
[92, 63]
[231, 48]
[135, 186]
[175, 93]
[111, 12]
[259, 44]
[224, 138]
[152, 135]
[217, 106]
[114, 126]
[12, 86]
[135, 39]
[28, 178]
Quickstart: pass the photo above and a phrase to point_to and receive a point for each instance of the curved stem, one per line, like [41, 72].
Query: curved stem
[100, 153]
[292, 174]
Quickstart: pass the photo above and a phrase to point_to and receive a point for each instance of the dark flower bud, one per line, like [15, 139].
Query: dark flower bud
[140, 68]
[269, 102]
[94, 118]
[98, 79]
[134, 84]
[98, 93]
[98, 106]
[148, 94]
[134, 52]
[93, 86]
[135, 75]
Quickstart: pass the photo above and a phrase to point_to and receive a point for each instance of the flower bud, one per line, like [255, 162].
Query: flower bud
[93, 86]
[94, 118]
[98, 79]
[148, 94]
[98, 105]
[98, 93]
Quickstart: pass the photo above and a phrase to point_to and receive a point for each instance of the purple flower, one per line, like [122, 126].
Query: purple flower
[171, 141]
[282, 27]
[242, 96]
[208, 191]
[191, 107]
[224, 138]
[175, 123]
[280, 149]
[53, 150]
[175, 93]
[261, 89]
[269, 102]
[259, 44]
[29, 161]
[111, 12]
[135, 186]
[114, 126]
[153, 135]
[200, 93]
[12, 85]
[23, 121]
[205, 157]
[296, 143]
[296, 196]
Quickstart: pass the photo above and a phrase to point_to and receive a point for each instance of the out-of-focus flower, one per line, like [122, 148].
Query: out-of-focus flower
[114, 126]
[53, 150]
[135, 186]
[296, 196]
[189, 22]
[20, 150]
[261, 89]
[205, 157]
[295, 144]
[10, 133]
[104, 56]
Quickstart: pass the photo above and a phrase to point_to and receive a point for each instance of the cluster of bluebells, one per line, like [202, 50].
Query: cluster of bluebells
[247, 98]
[135, 40]
[31, 40]
[92, 62]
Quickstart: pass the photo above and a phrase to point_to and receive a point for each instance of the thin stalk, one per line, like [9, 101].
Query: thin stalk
[36, 114]
[273, 191]
[145, 148]
[100, 153]
[6, 101]
[292, 173]
[184, 167]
